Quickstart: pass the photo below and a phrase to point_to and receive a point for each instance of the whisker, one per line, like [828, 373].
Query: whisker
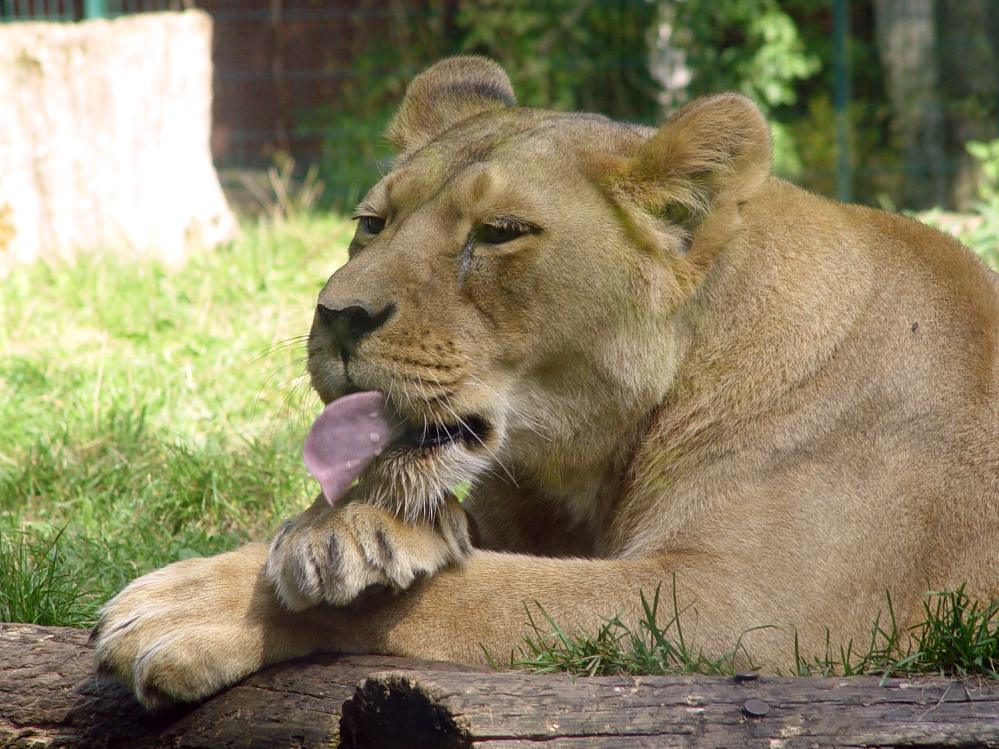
[271, 382]
[527, 421]
[494, 456]
[272, 348]
[297, 398]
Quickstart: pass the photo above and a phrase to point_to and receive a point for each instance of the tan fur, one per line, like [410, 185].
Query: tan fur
[333, 555]
[691, 371]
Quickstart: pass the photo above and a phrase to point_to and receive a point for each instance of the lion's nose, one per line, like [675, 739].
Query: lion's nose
[351, 322]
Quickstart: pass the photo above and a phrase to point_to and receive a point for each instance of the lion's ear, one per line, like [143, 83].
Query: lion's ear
[712, 149]
[443, 95]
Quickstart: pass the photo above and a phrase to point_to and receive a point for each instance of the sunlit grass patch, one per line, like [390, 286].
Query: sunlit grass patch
[151, 413]
[956, 636]
[39, 581]
[658, 646]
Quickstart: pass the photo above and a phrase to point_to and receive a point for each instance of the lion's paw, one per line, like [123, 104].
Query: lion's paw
[331, 555]
[184, 632]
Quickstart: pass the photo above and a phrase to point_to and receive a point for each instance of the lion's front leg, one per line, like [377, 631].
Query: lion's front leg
[332, 554]
[184, 632]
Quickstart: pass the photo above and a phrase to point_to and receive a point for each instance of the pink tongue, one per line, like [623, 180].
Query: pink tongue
[349, 433]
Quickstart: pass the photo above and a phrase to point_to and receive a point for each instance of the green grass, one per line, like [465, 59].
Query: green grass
[656, 647]
[956, 636]
[40, 578]
[149, 414]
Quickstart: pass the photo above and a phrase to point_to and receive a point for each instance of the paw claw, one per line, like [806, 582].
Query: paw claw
[332, 555]
[186, 631]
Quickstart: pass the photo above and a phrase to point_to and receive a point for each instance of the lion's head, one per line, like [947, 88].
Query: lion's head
[516, 280]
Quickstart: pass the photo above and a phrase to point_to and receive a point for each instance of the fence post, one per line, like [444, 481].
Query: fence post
[95, 9]
[841, 98]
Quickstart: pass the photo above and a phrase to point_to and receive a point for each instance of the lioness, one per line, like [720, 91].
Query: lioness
[654, 362]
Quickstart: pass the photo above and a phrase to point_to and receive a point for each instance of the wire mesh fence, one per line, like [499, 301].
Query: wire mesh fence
[41, 10]
[874, 100]
[78, 10]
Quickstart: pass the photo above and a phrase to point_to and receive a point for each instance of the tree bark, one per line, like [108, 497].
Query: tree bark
[104, 130]
[49, 696]
[908, 45]
[520, 710]
[969, 62]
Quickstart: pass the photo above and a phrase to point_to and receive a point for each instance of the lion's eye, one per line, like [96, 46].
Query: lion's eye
[502, 231]
[371, 224]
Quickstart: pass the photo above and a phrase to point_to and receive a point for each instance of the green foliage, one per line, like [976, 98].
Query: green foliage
[149, 414]
[813, 131]
[987, 155]
[655, 648]
[956, 636]
[587, 55]
[384, 57]
[980, 229]
[983, 236]
[750, 46]
[597, 55]
[40, 584]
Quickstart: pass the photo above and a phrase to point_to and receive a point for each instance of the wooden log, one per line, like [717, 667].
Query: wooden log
[509, 710]
[49, 696]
